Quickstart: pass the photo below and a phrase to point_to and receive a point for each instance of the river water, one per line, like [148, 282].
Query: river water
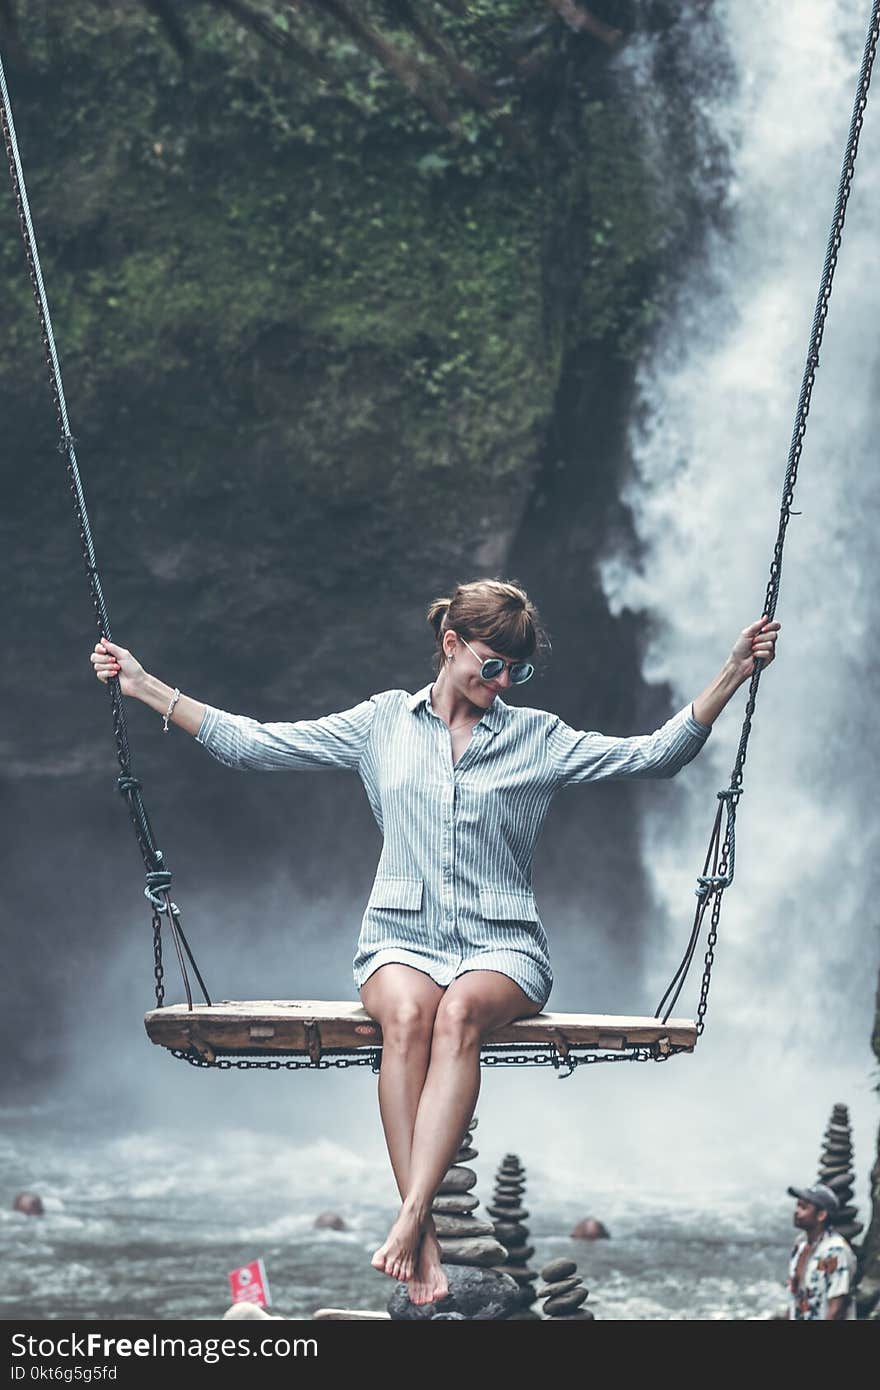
[144, 1217]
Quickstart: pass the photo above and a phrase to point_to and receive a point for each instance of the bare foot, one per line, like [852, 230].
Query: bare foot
[429, 1283]
[397, 1256]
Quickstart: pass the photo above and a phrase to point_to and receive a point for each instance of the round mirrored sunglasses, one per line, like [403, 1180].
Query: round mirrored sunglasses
[492, 666]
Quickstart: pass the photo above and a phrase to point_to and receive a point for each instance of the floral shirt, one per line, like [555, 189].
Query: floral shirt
[829, 1273]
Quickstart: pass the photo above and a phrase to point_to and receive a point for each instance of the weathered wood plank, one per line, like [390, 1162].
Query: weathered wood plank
[310, 1025]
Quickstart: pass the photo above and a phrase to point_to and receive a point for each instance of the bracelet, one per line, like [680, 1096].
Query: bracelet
[170, 710]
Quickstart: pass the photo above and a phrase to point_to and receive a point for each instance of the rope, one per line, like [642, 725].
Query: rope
[128, 785]
[721, 852]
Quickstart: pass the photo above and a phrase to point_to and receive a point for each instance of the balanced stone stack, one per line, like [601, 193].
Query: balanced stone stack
[510, 1215]
[464, 1238]
[564, 1292]
[835, 1170]
[469, 1249]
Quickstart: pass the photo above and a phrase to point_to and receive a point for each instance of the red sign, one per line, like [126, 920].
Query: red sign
[249, 1284]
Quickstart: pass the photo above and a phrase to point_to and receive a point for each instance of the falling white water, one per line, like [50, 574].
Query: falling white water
[799, 944]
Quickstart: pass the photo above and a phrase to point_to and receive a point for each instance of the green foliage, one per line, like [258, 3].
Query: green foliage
[323, 251]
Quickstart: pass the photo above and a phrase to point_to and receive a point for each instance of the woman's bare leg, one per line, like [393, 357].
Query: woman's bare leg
[404, 1002]
[473, 1006]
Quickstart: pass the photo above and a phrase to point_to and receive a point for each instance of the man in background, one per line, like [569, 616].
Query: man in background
[822, 1270]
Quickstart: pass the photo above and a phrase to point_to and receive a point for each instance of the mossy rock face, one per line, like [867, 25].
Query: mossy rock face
[312, 341]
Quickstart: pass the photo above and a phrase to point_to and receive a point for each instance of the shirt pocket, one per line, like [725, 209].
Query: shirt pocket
[508, 904]
[403, 893]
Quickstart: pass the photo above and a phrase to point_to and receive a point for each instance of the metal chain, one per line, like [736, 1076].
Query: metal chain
[712, 886]
[371, 1057]
[128, 785]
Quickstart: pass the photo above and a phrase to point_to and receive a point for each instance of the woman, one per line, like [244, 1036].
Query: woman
[451, 945]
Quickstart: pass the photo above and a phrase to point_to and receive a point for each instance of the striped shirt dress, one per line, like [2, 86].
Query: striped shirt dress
[453, 887]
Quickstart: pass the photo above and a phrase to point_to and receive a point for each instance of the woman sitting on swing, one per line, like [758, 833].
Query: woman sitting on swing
[451, 944]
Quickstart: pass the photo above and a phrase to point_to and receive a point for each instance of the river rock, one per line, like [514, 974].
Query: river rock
[330, 1220]
[474, 1294]
[447, 1224]
[555, 1270]
[454, 1202]
[28, 1203]
[590, 1229]
[562, 1286]
[508, 1213]
[465, 1155]
[566, 1302]
[457, 1180]
[483, 1251]
[511, 1235]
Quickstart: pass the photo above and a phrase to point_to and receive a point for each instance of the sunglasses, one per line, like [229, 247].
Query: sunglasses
[491, 667]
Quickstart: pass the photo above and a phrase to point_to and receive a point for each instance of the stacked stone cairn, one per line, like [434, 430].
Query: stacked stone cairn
[835, 1170]
[464, 1238]
[509, 1215]
[470, 1250]
[564, 1292]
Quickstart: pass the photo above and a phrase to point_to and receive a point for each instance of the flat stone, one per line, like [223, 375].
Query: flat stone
[466, 1154]
[455, 1202]
[457, 1180]
[481, 1250]
[838, 1181]
[849, 1229]
[563, 1286]
[518, 1253]
[566, 1302]
[558, 1269]
[508, 1213]
[521, 1273]
[579, 1315]
[474, 1294]
[455, 1224]
[511, 1236]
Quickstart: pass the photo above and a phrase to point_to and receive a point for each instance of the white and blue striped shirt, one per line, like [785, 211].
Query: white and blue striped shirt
[453, 888]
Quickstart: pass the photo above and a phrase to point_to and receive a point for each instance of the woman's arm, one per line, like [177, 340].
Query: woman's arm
[237, 740]
[109, 659]
[588, 756]
[756, 640]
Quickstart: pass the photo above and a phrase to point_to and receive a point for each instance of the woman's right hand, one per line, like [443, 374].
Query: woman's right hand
[109, 659]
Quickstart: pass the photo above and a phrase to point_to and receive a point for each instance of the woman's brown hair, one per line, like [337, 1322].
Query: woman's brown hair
[498, 612]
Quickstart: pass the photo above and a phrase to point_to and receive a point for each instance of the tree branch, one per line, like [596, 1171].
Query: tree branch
[410, 73]
[279, 38]
[579, 18]
[463, 77]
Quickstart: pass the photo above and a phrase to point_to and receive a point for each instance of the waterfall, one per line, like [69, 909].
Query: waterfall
[798, 951]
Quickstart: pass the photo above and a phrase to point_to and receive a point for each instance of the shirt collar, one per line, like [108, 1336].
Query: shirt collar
[494, 716]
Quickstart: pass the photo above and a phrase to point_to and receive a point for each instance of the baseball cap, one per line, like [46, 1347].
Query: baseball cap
[819, 1196]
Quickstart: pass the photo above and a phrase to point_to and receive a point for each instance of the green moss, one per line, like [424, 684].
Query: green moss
[368, 291]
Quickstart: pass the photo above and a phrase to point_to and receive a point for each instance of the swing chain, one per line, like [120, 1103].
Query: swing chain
[372, 1057]
[128, 785]
[158, 968]
[714, 885]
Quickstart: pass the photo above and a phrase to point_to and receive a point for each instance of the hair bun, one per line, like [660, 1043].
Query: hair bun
[437, 611]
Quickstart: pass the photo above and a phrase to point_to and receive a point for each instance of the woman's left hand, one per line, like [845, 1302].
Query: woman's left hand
[756, 640]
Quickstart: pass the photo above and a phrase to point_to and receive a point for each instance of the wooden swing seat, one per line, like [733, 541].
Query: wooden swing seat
[312, 1027]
